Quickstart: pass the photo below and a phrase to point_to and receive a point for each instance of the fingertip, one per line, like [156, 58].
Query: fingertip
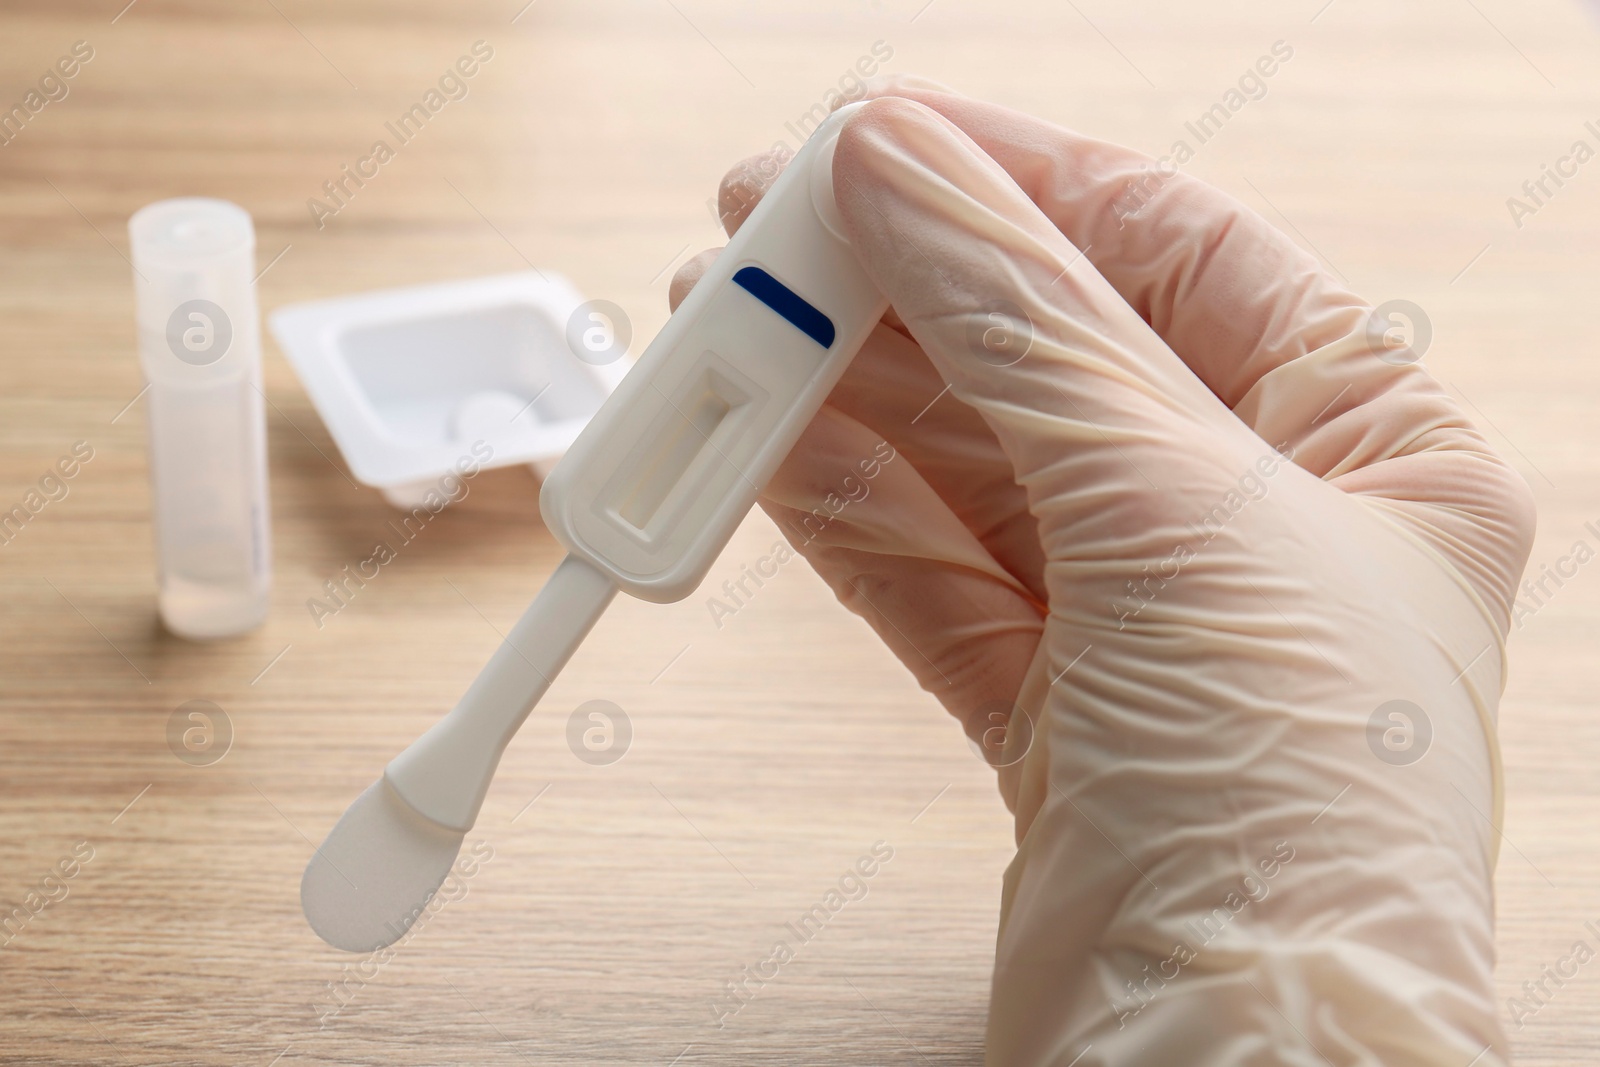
[746, 183]
[884, 125]
[915, 192]
[689, 275]
[895, 85]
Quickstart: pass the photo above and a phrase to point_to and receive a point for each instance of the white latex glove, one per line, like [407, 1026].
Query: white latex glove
[1220, 860]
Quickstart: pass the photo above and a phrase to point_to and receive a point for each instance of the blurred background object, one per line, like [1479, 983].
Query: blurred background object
[200, 350]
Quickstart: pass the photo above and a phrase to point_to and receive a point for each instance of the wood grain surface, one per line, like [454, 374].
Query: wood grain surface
[769, 753]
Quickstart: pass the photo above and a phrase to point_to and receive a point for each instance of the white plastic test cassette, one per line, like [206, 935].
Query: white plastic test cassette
[644, 500]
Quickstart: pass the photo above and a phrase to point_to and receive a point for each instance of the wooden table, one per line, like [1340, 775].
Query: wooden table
[769, 753]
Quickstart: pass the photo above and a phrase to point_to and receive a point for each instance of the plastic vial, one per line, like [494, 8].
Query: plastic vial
[200, 348]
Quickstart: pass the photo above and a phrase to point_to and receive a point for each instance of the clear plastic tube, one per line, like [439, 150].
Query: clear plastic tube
[200, 348]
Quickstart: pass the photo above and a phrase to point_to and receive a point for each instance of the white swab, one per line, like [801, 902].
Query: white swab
[383, 860]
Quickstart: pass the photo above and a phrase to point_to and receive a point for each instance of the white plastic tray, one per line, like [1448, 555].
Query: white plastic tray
[408, 380]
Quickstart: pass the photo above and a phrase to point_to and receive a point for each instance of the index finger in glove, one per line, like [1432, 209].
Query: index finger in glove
[1294, 354]
[1106, 429]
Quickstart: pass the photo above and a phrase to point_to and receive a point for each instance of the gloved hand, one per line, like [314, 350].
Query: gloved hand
[1168, 536]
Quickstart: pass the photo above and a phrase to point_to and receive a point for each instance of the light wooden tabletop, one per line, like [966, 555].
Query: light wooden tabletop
[772, 752]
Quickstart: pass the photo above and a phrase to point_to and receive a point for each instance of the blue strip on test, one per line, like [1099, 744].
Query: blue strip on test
[786, 302]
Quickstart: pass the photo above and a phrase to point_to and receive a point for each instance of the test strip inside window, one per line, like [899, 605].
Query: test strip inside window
[687, 428]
